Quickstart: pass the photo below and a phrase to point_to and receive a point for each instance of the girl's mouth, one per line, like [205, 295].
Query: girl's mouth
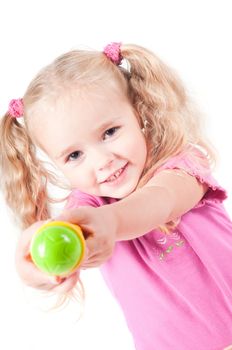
[116, 175]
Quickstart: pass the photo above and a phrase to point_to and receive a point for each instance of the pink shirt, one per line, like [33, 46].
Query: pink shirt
[176, 290]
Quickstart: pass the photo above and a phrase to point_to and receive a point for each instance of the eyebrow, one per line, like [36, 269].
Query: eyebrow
[100, 129]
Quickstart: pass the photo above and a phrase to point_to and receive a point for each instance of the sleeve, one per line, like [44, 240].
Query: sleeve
[196, 164]
[80, 199]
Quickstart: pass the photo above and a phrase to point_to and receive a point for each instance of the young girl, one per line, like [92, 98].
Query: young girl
[120, 127]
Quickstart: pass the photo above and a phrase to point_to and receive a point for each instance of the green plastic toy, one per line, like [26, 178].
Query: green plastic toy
[58, 248]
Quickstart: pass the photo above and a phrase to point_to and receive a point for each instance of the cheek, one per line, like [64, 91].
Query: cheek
[135, 145]
[73, 176]
[80, 178]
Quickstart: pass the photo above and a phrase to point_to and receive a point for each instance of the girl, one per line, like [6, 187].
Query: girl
[120, 127]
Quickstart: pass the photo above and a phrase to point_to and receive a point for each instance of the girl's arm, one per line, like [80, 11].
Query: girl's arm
[167, 196]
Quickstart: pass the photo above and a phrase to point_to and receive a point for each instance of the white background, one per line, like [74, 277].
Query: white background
[194, 37]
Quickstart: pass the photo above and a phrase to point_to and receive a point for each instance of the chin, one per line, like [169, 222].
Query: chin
[121, 193]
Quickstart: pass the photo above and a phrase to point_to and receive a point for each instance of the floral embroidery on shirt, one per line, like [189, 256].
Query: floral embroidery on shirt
[164, 246]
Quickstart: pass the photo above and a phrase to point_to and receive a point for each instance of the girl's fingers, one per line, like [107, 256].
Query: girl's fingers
[37, 279]
[23, 247]
[67, 284]
[94, 261]
[43, 281]
[95, 254]
[30, 274]
[73, 215]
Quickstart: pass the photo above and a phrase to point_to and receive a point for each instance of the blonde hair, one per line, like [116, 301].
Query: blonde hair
[160, 99]
[156, 94]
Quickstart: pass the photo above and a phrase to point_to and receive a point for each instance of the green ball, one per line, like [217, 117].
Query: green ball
[56, 250]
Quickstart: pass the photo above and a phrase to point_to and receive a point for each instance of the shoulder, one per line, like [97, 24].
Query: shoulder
[188, 164]
[188, 178]
[185, 191]
[192, 159]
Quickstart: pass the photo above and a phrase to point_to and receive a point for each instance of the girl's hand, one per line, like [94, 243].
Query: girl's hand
[99, 229]
[31, 275]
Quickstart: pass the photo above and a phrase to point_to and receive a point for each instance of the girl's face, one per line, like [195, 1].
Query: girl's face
[95, 140]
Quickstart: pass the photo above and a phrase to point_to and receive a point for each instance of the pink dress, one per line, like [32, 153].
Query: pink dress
[175, 289]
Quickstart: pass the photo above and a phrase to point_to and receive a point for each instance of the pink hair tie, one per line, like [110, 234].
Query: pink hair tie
[15, 108]
[113, 52]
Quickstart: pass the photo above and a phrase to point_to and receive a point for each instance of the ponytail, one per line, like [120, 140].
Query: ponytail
[23, 179]
[153, 79]
[163, 106]
[171, 121]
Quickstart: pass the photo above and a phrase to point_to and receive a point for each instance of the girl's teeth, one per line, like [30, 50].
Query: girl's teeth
[115, 176]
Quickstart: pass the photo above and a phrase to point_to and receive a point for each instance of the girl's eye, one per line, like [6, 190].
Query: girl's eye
[74, 156]
[110, 132]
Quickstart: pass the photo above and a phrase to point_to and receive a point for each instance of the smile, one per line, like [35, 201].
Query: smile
[115, 175]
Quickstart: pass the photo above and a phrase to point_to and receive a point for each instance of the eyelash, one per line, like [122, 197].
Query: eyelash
[114, 129]
[69, 156]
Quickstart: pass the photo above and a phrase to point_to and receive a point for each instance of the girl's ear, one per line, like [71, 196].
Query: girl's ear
[145, 125]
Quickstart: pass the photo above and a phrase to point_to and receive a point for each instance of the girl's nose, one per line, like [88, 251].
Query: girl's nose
[101, 159]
